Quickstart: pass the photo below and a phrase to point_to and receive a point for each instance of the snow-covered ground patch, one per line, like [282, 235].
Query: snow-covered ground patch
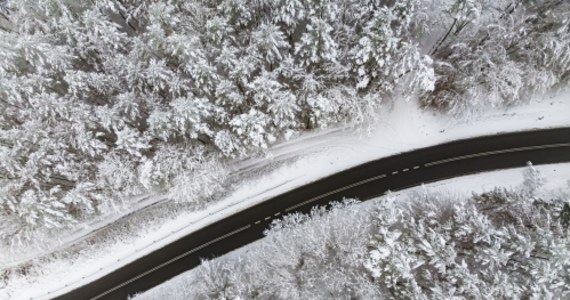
[557, 176]
[402, 128]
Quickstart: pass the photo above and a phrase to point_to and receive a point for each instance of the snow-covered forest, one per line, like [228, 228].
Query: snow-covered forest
[500, 244]
[101, 100]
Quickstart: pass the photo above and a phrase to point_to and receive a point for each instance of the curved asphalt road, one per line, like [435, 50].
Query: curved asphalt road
[364, 182]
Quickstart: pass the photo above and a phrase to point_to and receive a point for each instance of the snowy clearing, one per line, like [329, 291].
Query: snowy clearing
[402, 128]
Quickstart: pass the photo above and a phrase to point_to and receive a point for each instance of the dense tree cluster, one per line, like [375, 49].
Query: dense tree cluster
[501, 244]
[495, 53]
[107, 98]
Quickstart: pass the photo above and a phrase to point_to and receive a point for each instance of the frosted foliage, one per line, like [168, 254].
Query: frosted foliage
[227, 142]
[199, 184]
[499, 53]
[251, 128]
[270, 41]
[497, 245]
[117, 174]
[533, 180]
[421, 245]
[467, 11]
[385, 52]
[316, 44]
[297, 261]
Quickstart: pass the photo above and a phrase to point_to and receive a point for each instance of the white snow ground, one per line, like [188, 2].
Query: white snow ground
[557, 176]
[401, 128]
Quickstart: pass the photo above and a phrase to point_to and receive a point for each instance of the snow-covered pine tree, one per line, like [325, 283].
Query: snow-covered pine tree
[386, 51]
[533, 179]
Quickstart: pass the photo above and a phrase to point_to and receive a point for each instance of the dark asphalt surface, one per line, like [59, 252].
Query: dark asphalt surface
[464, 157]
